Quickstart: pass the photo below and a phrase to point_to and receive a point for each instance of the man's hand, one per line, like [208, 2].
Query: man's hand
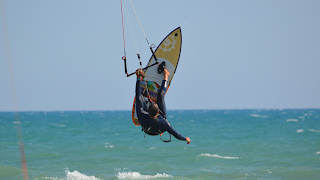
[188, 140]
[140, 73]
[166, 74]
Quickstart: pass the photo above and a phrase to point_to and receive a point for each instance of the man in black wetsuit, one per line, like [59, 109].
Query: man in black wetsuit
[154, 123]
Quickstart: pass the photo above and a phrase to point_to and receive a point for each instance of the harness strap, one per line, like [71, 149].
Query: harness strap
[155, 122]
[146, 94]
[165, 140]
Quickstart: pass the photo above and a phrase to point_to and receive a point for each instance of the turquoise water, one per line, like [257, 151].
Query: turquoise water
[225, 144]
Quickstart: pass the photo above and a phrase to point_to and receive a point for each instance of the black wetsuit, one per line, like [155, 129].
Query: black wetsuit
[148, 124]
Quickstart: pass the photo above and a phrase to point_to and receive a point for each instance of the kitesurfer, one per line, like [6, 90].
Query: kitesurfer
[154, 122]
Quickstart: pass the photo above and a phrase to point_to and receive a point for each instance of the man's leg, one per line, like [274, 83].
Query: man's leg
[160, 98]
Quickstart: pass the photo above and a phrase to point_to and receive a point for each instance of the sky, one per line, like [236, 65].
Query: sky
[66, 55]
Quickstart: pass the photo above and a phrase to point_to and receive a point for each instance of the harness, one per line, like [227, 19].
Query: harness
[161, 133]
[155, 122]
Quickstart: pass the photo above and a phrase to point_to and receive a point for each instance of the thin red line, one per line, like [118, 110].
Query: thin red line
[14, 94]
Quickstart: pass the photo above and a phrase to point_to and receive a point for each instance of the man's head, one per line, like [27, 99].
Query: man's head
[153, 110]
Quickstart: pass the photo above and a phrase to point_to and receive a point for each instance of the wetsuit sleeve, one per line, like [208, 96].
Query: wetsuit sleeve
[139, 103]
[160, 98]
[175, 133]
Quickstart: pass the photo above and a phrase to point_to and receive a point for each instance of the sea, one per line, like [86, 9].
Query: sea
[101, 145]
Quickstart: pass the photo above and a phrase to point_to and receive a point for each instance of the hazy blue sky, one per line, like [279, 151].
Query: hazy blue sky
[66, 55]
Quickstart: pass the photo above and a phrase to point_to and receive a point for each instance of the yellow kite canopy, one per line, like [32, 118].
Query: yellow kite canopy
[169, 51]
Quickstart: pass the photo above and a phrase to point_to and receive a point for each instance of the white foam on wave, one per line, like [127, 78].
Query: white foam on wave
[300, 131]
[62, 125]
[318, 152]
[313, 130]
[292, 120]
[258, 115]
[137, 175]
[218, 156]
[110, 146]
[75, 175]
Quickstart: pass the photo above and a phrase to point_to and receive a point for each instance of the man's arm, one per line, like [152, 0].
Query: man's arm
[177, 135]
[139, 107]
[170, 129]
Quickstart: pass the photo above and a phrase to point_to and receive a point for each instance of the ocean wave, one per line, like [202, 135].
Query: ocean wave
[218, 156]
[313, 130]
[62, 125]
[110, 146]
[258, 115]
[75, 175]
[292, 120]
[137, 175]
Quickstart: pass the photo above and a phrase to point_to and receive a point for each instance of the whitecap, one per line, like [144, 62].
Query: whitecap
[318, 152]
[111, 146]
[62, 125]
[300, 130]
[218, 156]
[77, 175]
[255, 115]
[313, 130]
[292, 120]
[137, 175]
[258, 115]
